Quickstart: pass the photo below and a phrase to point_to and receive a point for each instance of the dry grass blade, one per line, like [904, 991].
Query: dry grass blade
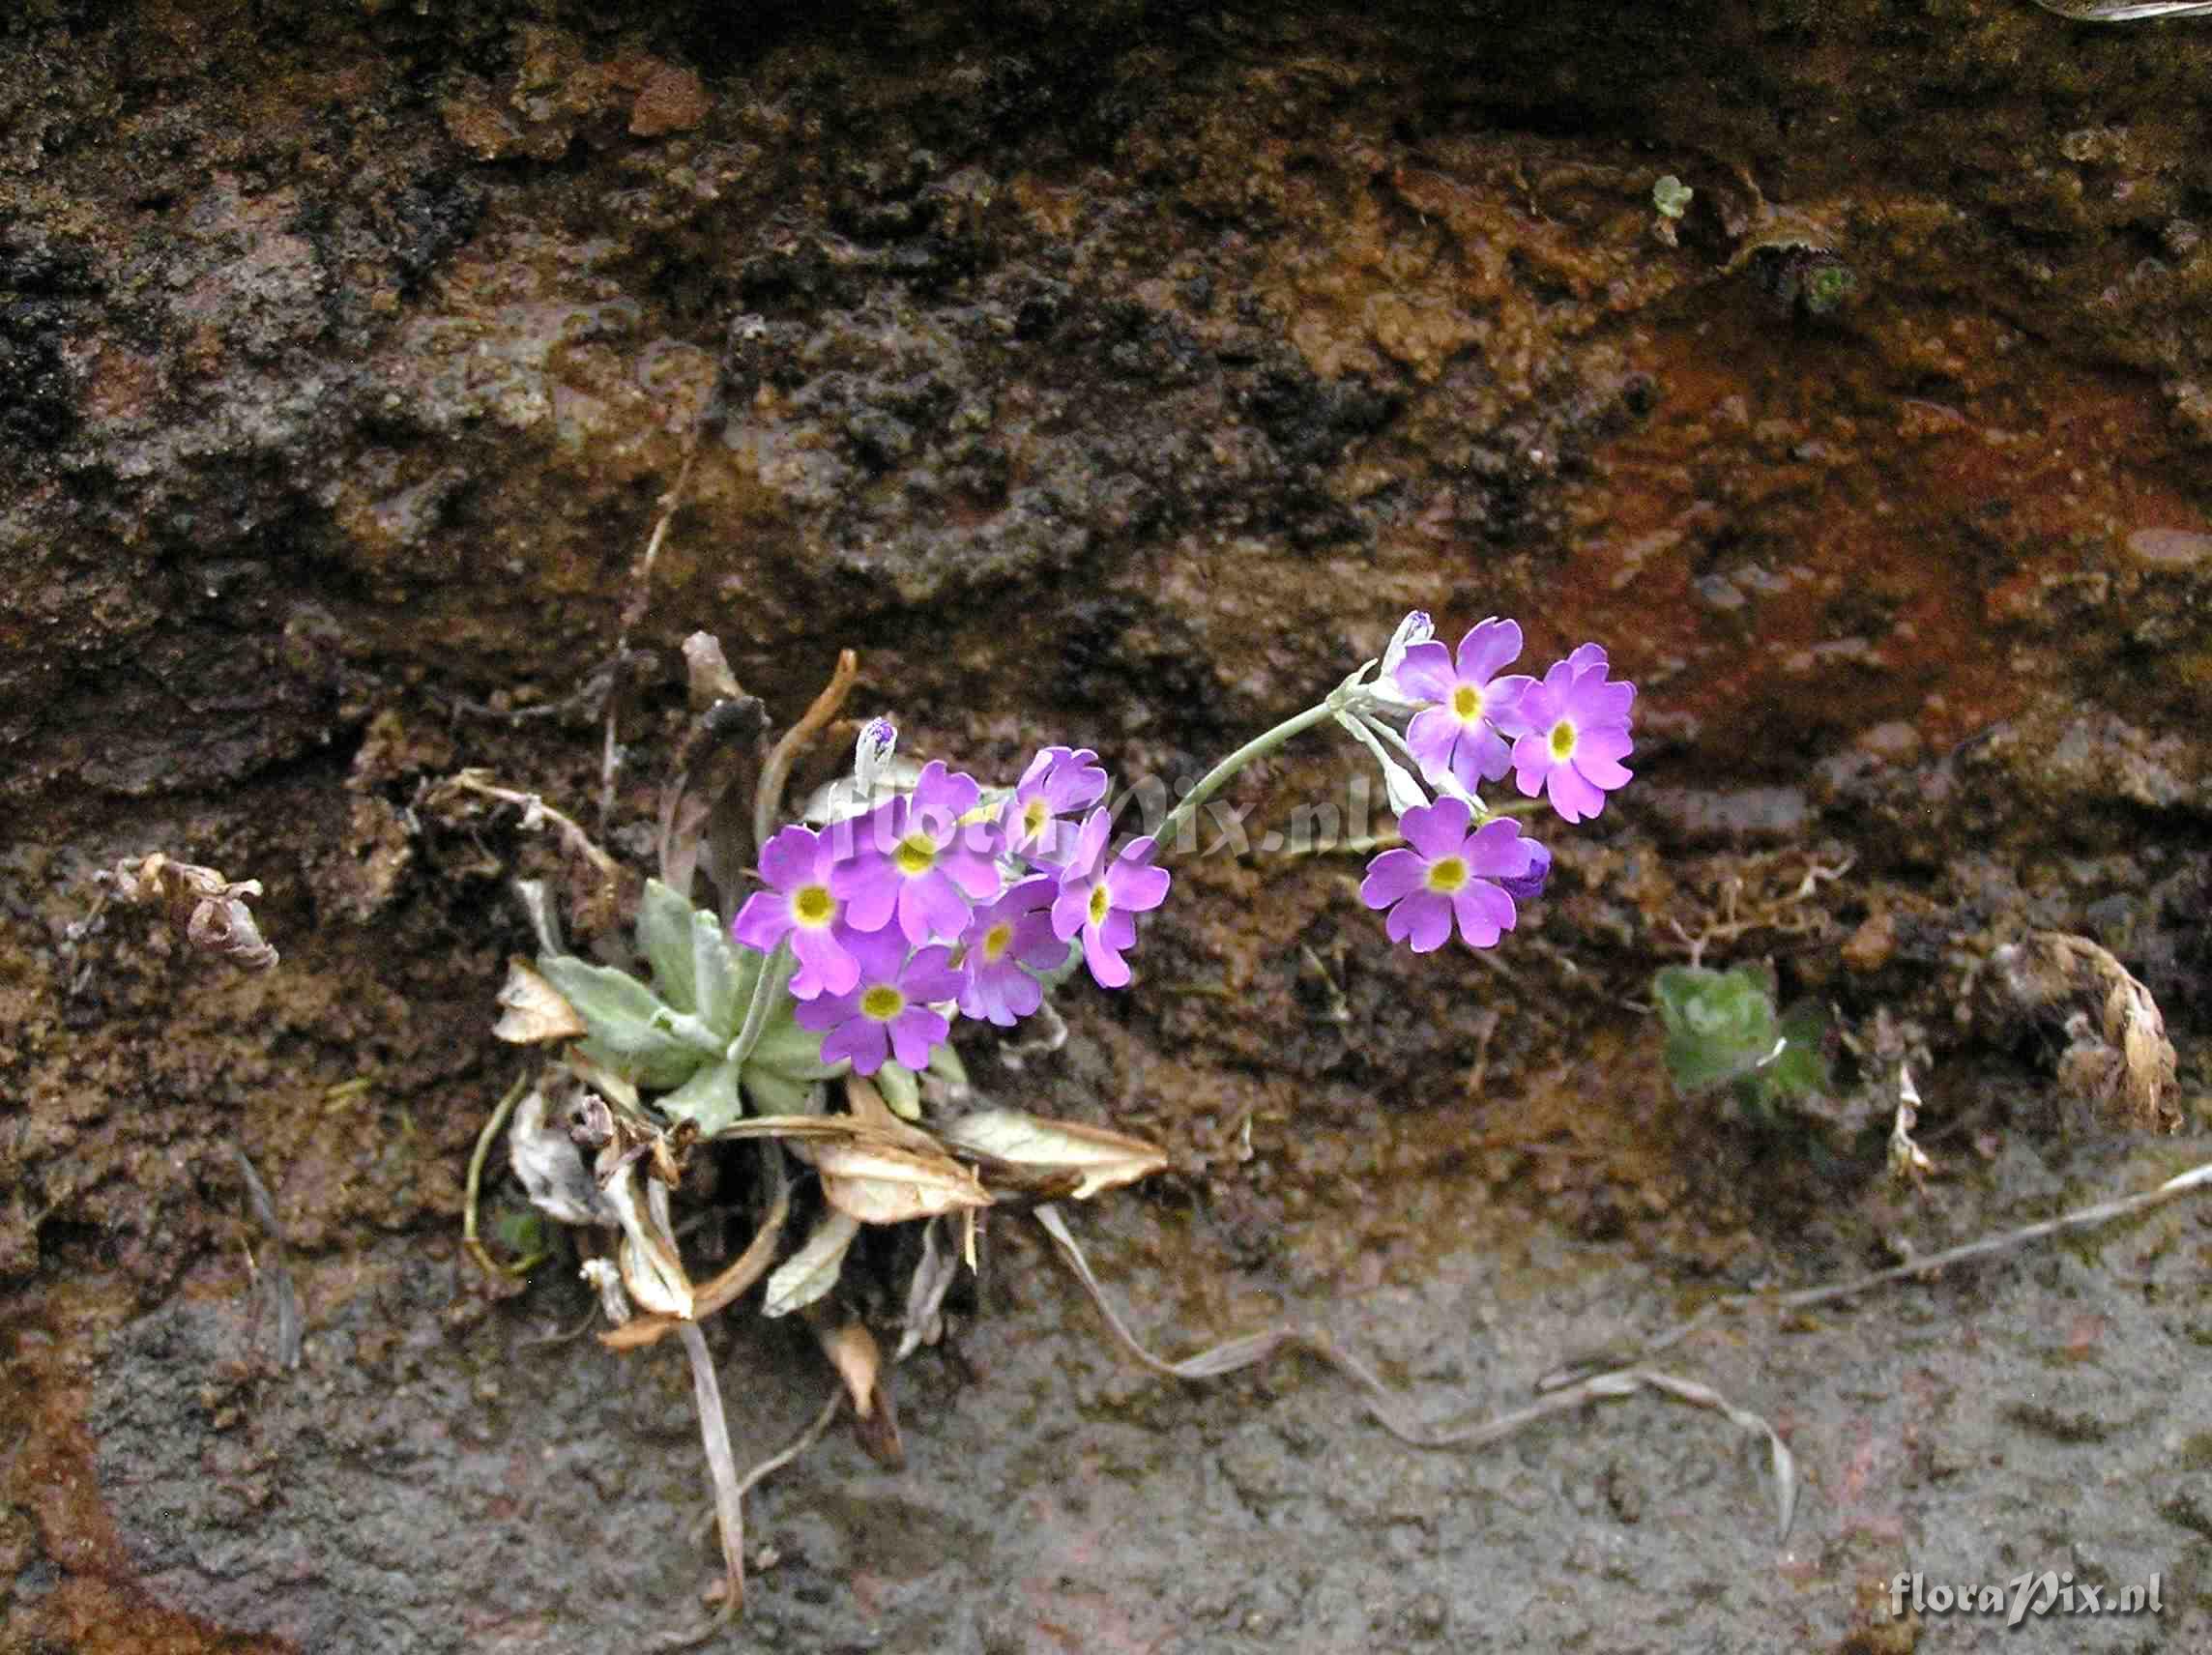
[933, 1278]
[813, 1270]
[1384, 1407]
[283, 1297]
[721, 1464]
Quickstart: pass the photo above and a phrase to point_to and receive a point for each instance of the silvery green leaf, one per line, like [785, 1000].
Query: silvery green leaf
[722, 976]
[774, 1094]
[664, 939]
[788, 1050]
[632, 1033]
[709, 1097]
[900, 1090]
[811, 1271]
[946, 1065]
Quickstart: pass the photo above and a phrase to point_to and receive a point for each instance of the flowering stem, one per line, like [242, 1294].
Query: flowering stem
[774, 974]
[1259, 747]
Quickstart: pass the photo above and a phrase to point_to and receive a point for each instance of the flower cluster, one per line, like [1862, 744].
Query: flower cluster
[943, 897]
[1563, 736]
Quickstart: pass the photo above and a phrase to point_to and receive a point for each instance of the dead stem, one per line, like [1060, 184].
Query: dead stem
[1385, 1408]
[768, 798]
[634, 606]
[722, 1291]
[281, 1292]
[475, 1248]
[535, 810]
[1805, 1298]
[721, 1463]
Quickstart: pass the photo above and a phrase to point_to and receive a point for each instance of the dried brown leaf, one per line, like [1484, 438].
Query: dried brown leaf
[852, 1352]
[1052, 1158]
[532, 1011]
[881, 1183]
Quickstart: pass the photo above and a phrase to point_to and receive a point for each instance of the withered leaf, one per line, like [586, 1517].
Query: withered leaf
[878, 1184]
[811, 1271]
[1052, 1158]
[532, 1011]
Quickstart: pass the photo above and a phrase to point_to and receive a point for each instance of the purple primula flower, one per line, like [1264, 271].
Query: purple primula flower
[799, 904]
[1442, 873]
[1012, 932]
[922, 860]
[1101, 896]
[888, 1012]
[1057, 783]
[1573, 730]
[1458, 735]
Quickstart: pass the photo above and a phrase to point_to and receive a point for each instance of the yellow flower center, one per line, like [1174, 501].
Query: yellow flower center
[915, 855]
[1467, 704]
[813, 907]
[882, 1002]
[996, 940]
[1101, 903]
[1035, 815]
[1564, 740]
[1447, 874]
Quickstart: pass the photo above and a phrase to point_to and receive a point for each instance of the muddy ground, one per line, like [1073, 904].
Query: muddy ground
[1114, 374]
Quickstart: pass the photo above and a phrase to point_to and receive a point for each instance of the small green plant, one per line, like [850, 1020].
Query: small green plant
[1723, 1030]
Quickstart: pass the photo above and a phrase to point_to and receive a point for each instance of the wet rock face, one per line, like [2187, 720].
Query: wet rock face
[1103, 373]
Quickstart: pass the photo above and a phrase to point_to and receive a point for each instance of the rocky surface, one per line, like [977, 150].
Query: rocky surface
[1115, 374]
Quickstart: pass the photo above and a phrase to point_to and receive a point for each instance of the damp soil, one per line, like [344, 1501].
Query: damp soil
[1113, 375]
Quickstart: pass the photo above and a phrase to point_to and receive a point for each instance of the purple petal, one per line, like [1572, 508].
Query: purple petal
[976, 874]
[869, 889]
[1107, 968]
[1034, 945]
[930, 977]
[1090, 843]
[1071, 909]
[1491, 646]
[1391, 876]
[1501, 703]
[1574, 799]
[1430, 736]
[820, 1016]
[825, 966]
[1532, 764]
[1434, 830]
[1136, 889]
[1480, 756]
[862, 1039]
[914, 1032]
[1426, 673]
[930, 908]
[790, 858]
[1076, 780]
[1423, 918]
[1483, 912]
[1588, 655]
[944, 796]
[762, 920]
[1497, 849]
[1605, 774]
[881, 956]
[1528, 886]
[1607, 744]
